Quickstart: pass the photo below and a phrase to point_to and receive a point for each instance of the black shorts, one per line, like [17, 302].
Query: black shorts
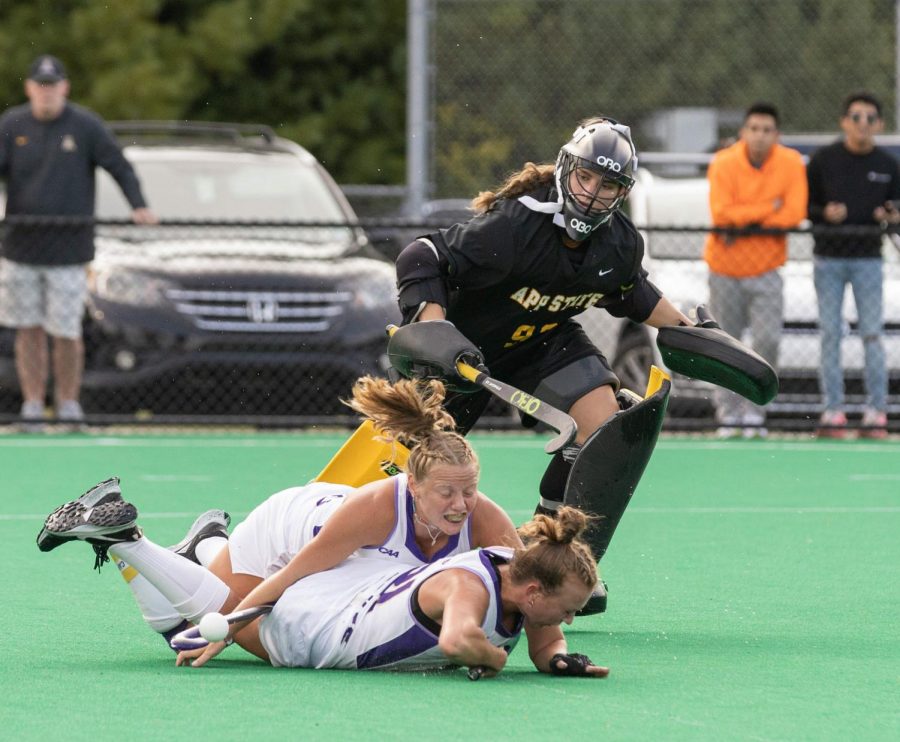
[559, 370]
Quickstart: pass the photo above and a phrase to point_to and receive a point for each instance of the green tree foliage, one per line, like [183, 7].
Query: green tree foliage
[328, 75]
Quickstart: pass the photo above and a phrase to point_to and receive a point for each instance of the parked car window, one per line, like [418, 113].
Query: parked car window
[233, 187]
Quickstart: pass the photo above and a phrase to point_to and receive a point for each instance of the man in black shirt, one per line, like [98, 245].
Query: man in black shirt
[852, 182]
[549, 244]
[49, 149]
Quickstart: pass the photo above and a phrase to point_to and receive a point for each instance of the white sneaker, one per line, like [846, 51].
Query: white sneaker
[874, 424]
[211, 524]
[100, 516]
[32, 415]
[832, 424]
[69, 411]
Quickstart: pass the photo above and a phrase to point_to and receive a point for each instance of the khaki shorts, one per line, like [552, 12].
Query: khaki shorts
[48, 296]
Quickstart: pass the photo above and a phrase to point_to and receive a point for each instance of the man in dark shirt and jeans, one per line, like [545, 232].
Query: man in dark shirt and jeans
[853, 182]
[49, 149]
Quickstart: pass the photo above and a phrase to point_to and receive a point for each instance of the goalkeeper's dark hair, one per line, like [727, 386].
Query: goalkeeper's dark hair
[527, 179]
[411, 412]
[554, 550]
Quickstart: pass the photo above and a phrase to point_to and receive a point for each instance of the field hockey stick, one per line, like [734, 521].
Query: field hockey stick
[556, 419]
[561, 422]
[475, 672]
[191, 639]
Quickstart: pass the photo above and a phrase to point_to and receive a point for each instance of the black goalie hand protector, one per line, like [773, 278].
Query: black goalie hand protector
[575, 664]
[431, 350]
[708, 353]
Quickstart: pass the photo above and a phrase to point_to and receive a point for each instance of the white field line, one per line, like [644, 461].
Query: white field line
[127, 442]
[799, 510]
[481, 440]
[143, 516]
[176, 477]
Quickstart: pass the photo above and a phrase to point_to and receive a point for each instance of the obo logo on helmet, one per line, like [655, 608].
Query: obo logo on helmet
[609, 164]
[580, 226]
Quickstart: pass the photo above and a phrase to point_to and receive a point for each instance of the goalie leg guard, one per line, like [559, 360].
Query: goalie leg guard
[610, 464]
[364, 458]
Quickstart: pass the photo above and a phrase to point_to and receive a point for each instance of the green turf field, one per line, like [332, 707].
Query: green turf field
[754, 595]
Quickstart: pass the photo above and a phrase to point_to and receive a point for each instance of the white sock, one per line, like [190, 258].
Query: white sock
[192, 590]
[155, 607]
[208, 548]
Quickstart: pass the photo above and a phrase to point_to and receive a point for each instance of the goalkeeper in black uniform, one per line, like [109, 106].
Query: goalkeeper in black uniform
[550, 243]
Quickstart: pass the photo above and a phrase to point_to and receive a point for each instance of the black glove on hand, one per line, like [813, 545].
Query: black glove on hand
[430, 350]
[575, 664]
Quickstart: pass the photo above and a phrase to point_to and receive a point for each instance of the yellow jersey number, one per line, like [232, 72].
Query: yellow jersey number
[524, 332]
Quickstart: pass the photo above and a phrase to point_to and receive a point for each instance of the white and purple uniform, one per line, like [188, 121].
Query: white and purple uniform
[364, 615]
[400, 546]
[268, 538]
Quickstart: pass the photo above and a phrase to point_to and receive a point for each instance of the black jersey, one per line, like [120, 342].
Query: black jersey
[510, 280]
[862, 182]
[49, 169]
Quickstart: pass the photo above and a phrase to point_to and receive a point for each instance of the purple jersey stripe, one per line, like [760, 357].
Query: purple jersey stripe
[413, 642]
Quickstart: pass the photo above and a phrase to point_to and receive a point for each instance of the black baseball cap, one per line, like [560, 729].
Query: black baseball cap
[47, 68]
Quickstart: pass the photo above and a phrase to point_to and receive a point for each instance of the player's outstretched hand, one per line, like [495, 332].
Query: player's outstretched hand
[199, 657]
[576, 665]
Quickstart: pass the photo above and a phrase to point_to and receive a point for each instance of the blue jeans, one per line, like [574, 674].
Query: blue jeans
[866, 277]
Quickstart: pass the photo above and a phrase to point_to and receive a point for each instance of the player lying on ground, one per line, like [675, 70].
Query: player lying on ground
[467, 609]
[433, 511]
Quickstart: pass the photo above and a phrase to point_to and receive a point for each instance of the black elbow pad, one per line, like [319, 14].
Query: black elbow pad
[420, 279]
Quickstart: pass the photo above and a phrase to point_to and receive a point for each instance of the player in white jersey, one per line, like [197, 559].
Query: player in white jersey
[374, 619]
[467, 609]
[275, 531]
[432, 511]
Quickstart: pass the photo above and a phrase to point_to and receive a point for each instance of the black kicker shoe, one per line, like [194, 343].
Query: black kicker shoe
[597, 602]
[211, 524]
[100, 516]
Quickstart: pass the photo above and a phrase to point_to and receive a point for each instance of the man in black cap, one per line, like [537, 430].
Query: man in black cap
[49, 149]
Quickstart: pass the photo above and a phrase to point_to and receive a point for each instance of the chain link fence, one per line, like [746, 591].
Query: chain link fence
[510, 78]
[225, 324]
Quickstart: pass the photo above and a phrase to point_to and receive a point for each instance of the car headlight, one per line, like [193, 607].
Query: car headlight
[374, 293]
[128, 287]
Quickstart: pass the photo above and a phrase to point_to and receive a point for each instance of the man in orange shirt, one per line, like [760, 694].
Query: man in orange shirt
[756, 182]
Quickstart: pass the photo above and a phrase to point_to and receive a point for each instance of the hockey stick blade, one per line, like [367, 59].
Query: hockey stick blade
[191, 639]
[561, 422]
